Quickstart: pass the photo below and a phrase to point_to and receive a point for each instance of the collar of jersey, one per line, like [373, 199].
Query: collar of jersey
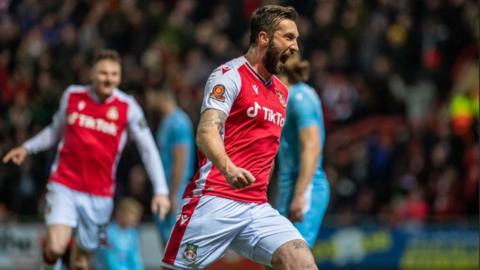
[255, 73]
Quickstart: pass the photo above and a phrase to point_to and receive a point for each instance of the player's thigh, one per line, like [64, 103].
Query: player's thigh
[203, 231]
[58, 237]
[61, 205]
[60, 217]
[266, 232]
[94, 214]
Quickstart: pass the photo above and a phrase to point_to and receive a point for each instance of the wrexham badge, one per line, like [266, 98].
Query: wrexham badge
[281, 98]
[190, 253]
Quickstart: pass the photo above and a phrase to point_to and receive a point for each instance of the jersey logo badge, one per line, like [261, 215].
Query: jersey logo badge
[281, 98]
[81, 105]
[225, 69]
[218, 92]
[112, 113]
[255, 88]
[190, 253]
[183, 219]
[142, 123]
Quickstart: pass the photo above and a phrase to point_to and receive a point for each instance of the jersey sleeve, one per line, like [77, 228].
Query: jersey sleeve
[221, 89]
[141, 135]
[51, 134]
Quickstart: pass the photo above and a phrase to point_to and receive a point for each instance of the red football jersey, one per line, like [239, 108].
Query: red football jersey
[92, 136]
[256, 113]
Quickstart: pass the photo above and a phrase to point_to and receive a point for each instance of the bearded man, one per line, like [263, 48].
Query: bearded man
[243, 111]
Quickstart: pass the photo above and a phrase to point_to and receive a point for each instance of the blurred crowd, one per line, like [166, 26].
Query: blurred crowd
[399, 82]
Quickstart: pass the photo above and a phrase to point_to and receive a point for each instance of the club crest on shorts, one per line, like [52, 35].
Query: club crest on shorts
[218, 92]
[190, 253]
[281, 98]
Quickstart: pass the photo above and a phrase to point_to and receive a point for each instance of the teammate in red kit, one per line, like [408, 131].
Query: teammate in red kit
[243, 111]
[91, 127]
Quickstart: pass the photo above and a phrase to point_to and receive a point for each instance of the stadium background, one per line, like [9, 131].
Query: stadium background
[399, 81]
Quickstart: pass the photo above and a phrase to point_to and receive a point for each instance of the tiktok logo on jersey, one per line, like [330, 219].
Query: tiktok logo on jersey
[268, 114]
[93, 123]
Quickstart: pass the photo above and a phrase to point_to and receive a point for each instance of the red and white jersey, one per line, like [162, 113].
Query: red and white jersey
[256, 113]
[92, 136]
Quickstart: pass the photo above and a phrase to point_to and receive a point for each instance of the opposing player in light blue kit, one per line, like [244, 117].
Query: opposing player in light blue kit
[304, 191]
[175, 140]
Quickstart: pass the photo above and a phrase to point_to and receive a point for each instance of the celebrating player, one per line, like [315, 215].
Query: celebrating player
[91, 127]
[238, 135]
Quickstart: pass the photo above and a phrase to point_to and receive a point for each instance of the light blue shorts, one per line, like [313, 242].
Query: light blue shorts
[317, 197]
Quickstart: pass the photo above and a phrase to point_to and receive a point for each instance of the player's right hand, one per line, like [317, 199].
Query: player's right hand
[160, 205]
[17, 155]
[238, 177]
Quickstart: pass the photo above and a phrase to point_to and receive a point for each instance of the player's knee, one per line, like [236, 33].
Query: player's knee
[56, 248]
[293, 255]
[58, 237]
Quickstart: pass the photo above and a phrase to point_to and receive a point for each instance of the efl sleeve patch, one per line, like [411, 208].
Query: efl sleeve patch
[142, 123]
[218, 92]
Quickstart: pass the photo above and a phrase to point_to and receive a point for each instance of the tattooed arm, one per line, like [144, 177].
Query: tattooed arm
[210, 143]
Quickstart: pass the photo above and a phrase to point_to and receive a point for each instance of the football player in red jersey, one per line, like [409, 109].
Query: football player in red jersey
[238, 135]
[91, 128]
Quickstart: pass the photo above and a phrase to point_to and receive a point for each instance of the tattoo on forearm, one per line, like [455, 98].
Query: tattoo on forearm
[213, 118]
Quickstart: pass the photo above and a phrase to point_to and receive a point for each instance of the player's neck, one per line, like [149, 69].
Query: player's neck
[254, 58]
[98, 96]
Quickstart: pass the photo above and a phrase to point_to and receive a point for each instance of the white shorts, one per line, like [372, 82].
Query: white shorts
[209, 225]
[88, 213]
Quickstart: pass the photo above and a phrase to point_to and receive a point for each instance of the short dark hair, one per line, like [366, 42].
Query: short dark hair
[106, 54]
[267, 19]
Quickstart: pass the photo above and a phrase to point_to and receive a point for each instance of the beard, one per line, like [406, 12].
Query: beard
[274, 60]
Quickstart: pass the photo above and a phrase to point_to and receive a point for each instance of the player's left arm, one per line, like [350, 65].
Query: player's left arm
[143, 138]
[310, 149]
[179, 154]
[309, 154]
